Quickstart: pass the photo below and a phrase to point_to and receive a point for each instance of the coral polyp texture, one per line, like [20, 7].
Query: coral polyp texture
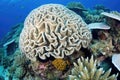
[86, 69]
[53, 30]
[60, 64]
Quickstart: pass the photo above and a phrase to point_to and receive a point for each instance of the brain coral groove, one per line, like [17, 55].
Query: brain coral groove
[53, 30]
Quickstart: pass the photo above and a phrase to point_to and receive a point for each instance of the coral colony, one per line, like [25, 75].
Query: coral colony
[53, 30]
[63, 43]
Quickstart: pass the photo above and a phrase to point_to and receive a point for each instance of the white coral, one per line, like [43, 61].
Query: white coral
[114, 15]
[53, 30]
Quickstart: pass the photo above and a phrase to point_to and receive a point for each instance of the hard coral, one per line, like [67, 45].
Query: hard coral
[113, 20]
[86, 69]
[60, 64]
[53, 30]
[102, 47]
[113, 14]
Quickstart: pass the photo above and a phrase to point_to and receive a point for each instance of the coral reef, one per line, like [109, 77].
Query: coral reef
[86, 69]
[10, 47]
[77, 5]
[89, 15]
[19, 72]
[101, 8]
[92, 17]
[18, 68]
[46, 71]
[53, 30]
[13, 34]
[1, 55]
[113, 20]
[54, 38]
[6, 62]
[12, 60]
[10, 41]
[102, 47]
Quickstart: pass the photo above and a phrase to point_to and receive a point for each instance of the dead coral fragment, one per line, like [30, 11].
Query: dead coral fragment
[86, 69]
[60, 64]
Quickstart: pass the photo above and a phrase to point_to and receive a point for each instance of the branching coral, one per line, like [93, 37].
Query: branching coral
[53, 30]
[86, 69]
[90, 18]
[93, 15]
[102, 47]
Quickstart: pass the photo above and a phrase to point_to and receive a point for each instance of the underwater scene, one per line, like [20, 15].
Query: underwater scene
[59, 40]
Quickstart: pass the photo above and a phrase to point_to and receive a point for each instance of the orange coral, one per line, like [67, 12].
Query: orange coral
[60, 64]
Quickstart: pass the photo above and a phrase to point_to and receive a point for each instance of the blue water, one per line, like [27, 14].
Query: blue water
[15, 11]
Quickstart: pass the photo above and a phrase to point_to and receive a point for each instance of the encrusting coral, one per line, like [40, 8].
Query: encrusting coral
[86, 69]
[53, 30]
[60, 64]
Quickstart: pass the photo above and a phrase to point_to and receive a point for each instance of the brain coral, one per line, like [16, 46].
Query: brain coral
[53, 30]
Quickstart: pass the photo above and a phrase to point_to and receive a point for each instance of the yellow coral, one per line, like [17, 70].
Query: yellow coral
[60, 64]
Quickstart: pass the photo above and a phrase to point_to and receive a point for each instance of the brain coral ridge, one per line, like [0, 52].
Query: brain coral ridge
[53, 30]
